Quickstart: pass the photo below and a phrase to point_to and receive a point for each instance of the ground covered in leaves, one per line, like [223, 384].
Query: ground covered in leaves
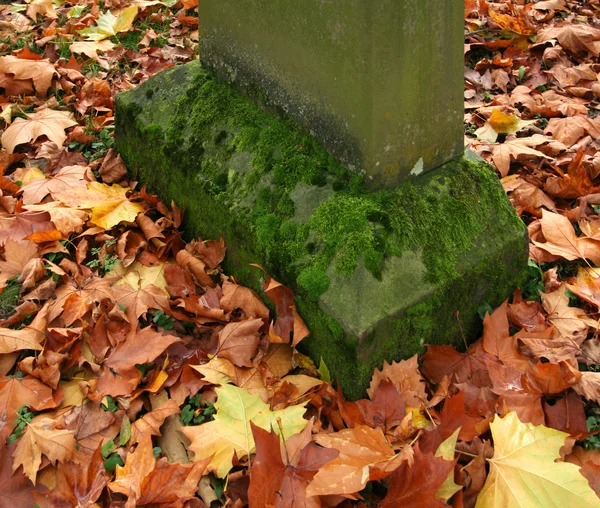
[133, 372]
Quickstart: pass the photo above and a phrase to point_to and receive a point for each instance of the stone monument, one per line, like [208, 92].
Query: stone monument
[323, 139]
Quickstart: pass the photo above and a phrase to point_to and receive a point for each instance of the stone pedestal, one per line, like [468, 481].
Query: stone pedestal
[378, 82]
[377, 273]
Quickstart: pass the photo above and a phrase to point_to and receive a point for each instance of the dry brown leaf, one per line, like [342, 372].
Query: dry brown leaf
[45, 122]
[41, 72]
[364, 455]
[43, 437]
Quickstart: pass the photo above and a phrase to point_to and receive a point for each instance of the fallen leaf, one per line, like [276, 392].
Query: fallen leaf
[41, 72]
[108, 203]
[108, 24]
[45, 122]
[416, 483]
[238, 342]
[230, 432]
[406, 378]
[524, 470]
[43, 437]
[364, 455]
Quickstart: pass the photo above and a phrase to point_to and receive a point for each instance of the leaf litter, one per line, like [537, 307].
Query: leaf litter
[134, 372]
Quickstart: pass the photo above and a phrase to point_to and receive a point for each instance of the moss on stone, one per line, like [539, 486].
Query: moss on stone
[238, 170]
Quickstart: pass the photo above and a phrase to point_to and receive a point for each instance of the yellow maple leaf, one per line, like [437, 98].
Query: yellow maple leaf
[447, 451]
[45, 122]
[139, 276]
[503, 123]
[523, 471]
[43, 437]
[108, 24]
[108, 203]
[230, 431]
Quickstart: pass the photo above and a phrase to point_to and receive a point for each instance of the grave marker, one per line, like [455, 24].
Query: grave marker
[383, 250]
[378, 82]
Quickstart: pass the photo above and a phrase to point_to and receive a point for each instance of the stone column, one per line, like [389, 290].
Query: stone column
[378, 82]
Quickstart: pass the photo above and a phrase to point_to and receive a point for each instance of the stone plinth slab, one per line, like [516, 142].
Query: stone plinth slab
[378, 82]
[376, 274]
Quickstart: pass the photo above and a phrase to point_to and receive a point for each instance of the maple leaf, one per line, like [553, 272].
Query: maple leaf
[238, 342]
[43, 437]
[386, 410]
[586, 286]
[17, 255]
[139, 347]
[364, 455]
[524, 470]
[41, 72]
[15, 490]
[138, 300]
[288, 320]
[575, 37]
[497, 340]
[17, 392]
[571, 323]
[91, 48]
[138, 464]
[515, 149]
[230, 432]
[570, 130]
[589, 386]
[73, 300]
[44, 8]
[406, 378]
[67, 178]
[240, 297]
[171, 484]
[151, 422]
[18, 340]
[108, 24]
[108, 203]
[416, 483]
[284, 474]
[45, 122]
[447, 450]
[561, 239]
[517, 23]
[67, 220]
[76, 483]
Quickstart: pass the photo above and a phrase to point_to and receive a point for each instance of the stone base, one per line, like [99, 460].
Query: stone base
[376, 274]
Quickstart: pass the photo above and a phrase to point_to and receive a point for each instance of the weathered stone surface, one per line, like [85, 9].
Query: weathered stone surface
[376, 274]
[379, 82]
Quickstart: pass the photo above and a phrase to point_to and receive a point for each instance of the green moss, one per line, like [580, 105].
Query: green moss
[314, 281]
[9, 297]
[234, 167]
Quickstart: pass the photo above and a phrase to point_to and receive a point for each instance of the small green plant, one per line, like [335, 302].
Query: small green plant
[24, 416]
[593, 425]
[111, 404]
[193, 413]
[97, 148]
[112, 459]
[163, 320]
[542, 122]
[535, 282]
[108, 261]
